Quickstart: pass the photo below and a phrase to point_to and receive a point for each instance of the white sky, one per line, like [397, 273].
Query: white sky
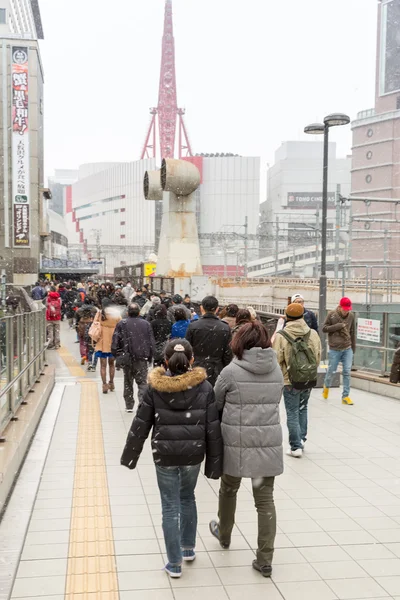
[250, 73]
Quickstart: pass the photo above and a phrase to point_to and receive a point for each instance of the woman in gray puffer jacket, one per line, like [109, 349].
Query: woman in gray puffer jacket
[248, 393]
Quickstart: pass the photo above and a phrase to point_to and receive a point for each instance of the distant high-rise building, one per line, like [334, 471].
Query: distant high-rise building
[21, 18]
[292, 212]
[376, 147]
[23, 218]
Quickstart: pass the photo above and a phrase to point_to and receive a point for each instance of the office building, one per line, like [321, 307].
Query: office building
[292, 212]
[22, 211]
[376, 147]
[20, 18]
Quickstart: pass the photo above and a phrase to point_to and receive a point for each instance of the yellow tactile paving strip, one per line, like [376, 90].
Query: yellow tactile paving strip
[71, 363]
[92, 571]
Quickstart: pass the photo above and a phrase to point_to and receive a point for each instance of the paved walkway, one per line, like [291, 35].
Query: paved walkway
[95, 531]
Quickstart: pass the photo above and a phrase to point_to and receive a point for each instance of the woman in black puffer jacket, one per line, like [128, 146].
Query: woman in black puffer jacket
[179, 405]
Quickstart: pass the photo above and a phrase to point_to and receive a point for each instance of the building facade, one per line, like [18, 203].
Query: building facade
[56, 244]
[292, 212]
[20, 18]
[107, 216]
[23, 222]
[376, 148]
[57, 184]
[228, 195]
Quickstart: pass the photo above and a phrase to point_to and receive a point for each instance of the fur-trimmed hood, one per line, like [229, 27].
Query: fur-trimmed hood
[162, 382]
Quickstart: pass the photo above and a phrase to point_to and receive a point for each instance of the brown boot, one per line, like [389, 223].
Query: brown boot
[105, 388]
[111, 386]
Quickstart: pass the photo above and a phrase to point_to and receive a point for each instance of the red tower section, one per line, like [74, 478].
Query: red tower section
[167, 112]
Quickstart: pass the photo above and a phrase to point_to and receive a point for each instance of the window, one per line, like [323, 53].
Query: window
[123, 222]
[122, 237]
[123, 209]
[368, 179]
[369, 155]
[3, 16]
[370, 132]
[398, 102]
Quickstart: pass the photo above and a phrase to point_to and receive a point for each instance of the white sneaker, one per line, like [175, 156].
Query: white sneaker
[129, 410]
[303, 443]
[295, 453]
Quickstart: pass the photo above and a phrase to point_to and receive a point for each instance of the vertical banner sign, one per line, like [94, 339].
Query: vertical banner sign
[20, 148]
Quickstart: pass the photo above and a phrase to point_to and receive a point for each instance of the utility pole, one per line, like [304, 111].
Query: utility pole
[246, 245]
[277, 247]
[337, 232]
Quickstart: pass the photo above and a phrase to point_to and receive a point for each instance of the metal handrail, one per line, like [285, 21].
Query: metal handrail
[24, 350]
[10, 385]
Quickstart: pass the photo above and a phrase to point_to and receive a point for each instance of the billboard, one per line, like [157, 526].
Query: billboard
[20, 148]
[309, 200]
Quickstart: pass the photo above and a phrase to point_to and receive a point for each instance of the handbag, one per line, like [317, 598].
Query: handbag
[95, 329]
[123, 357]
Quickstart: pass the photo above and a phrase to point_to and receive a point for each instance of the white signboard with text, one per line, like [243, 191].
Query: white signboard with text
[369, 330]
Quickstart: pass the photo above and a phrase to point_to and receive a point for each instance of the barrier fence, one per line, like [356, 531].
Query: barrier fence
[378, 337]
[377, 333]
[22, 358]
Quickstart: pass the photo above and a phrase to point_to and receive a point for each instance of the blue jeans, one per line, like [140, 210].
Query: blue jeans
[179, 511]
[296, 404]
[346, 358]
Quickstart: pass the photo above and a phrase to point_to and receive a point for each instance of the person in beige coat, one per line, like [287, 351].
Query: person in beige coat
[109, 318]
[296, 400]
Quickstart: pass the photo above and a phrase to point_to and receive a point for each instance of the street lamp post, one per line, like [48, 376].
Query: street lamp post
[333, 120]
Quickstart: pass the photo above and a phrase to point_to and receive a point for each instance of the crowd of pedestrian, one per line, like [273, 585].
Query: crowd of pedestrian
[214, 393]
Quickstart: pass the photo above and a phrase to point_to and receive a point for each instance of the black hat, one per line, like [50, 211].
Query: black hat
[177, 299]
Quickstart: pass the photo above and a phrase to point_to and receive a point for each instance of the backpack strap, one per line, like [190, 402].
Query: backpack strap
[286, 336]
[291, 341]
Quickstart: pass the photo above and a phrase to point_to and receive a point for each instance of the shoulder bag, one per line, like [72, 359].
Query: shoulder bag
[95, 328]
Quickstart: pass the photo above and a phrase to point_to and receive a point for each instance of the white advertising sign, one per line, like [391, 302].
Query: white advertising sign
[369, 330]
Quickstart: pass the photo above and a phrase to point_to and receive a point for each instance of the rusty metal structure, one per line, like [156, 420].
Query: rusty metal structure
[179, 250]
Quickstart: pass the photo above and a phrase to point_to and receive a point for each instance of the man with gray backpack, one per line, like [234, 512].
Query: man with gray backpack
[298, 350]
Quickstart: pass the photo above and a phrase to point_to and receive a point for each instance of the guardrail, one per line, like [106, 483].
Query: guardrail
[370, 356]
[22, 358]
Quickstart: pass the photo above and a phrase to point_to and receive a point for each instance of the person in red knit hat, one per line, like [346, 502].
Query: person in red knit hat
[340, 327]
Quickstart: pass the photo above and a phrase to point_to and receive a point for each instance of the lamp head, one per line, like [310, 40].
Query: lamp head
[337, 119]
[315, 129]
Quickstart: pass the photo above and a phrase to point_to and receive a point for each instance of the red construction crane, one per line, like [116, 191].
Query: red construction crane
[167, 112]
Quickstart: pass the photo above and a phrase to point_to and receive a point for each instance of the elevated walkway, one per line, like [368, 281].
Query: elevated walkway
[79, 526]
